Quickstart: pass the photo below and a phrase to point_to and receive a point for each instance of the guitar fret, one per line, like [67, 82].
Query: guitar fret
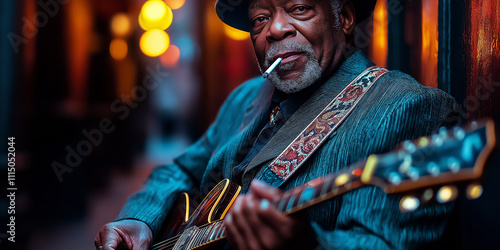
[217, 230]
[284, 202]
[212, 231]
[222, 230]
[290, 202]
[317, 190]
[199, 235]
[332, 186]
[324, 188]
[203, 235]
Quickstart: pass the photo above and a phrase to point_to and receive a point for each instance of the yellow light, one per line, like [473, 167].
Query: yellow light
[118, 49]
[171, 56]
[423, 142]
[155, 14]
[446, 194]
[409, 204]
[175, 4]
[341, 179]
[474, 191]
[235, 33]
[120, 24]
[154, 42]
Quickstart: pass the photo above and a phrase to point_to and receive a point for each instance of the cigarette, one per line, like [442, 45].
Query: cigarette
[270, 69]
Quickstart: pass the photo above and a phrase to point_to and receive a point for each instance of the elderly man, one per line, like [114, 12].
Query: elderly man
[260, 119]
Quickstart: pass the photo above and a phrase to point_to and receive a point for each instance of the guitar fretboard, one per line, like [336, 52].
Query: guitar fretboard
[319, 190]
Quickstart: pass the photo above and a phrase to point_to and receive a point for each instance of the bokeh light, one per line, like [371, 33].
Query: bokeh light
[118, 49]
[170, 57]
[155, 14]
[175, 4]
[120, 25]
[235, 33]
[154, 42]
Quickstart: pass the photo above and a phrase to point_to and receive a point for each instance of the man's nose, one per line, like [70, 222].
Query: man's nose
[281, 28]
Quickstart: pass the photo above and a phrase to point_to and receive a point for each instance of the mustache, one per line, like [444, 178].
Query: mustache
[288, 45]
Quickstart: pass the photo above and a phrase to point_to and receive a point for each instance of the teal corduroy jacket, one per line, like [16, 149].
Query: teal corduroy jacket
[395, 109]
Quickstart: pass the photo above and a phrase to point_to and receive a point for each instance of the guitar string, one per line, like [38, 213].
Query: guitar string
[167, 242]
[170, 243]
[174, 239]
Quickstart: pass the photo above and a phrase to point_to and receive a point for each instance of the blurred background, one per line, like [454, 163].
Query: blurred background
[97, 93]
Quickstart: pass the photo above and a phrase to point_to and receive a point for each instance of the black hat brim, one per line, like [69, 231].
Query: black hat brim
[235, 12]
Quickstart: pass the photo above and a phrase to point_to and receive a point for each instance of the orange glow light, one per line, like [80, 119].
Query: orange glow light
[235, 33]
[155, 14]
[120, 24]
[380, 47]
[430, 42]
[357, 172]
[171, 56]
[175, 4]
[154, 42]
[118, 49]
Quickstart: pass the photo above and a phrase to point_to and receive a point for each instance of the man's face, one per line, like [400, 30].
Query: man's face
[303, 33]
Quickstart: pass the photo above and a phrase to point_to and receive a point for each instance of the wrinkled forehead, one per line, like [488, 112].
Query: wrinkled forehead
[256, 4]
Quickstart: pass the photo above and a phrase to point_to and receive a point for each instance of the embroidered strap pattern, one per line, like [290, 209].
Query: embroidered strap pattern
[309, 140]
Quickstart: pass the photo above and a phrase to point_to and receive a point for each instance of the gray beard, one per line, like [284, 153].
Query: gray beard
[312, 69]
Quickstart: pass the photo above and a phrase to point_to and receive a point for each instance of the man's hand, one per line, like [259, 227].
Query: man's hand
[253, 223]
[126, 234]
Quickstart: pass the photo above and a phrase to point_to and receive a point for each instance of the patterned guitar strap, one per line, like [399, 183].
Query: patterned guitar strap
[318, 131]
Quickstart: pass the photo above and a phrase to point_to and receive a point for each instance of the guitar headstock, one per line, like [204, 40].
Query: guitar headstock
[434, 165]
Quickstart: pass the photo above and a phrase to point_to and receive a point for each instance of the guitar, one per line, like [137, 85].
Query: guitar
[429, 169]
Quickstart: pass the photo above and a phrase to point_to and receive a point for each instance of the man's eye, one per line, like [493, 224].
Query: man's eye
[300, 9]
[259, 19]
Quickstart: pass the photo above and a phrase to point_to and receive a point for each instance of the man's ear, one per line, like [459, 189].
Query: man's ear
[347, 17]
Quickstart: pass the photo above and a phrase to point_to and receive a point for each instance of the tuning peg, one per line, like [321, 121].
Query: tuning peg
[437, 140]
[409, 203]
[474, 191]
[459, 133]
[446, 194]
[427, 195]
[443, 132]
[406, 164]
[473, 124]
[433, 168]
[395, 178]
[453, 164]
[409, 146]
[413, 173]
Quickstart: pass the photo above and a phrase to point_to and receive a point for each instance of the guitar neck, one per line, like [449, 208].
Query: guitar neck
[447, 157]
[321, 189]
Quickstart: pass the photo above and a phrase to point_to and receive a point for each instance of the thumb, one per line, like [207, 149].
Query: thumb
[262, 190]
[112, 242]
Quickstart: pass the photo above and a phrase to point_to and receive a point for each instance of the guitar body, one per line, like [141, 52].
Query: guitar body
[213, 208]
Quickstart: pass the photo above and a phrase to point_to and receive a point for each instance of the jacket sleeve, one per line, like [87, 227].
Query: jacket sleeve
[369, 218]
[160, 191]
